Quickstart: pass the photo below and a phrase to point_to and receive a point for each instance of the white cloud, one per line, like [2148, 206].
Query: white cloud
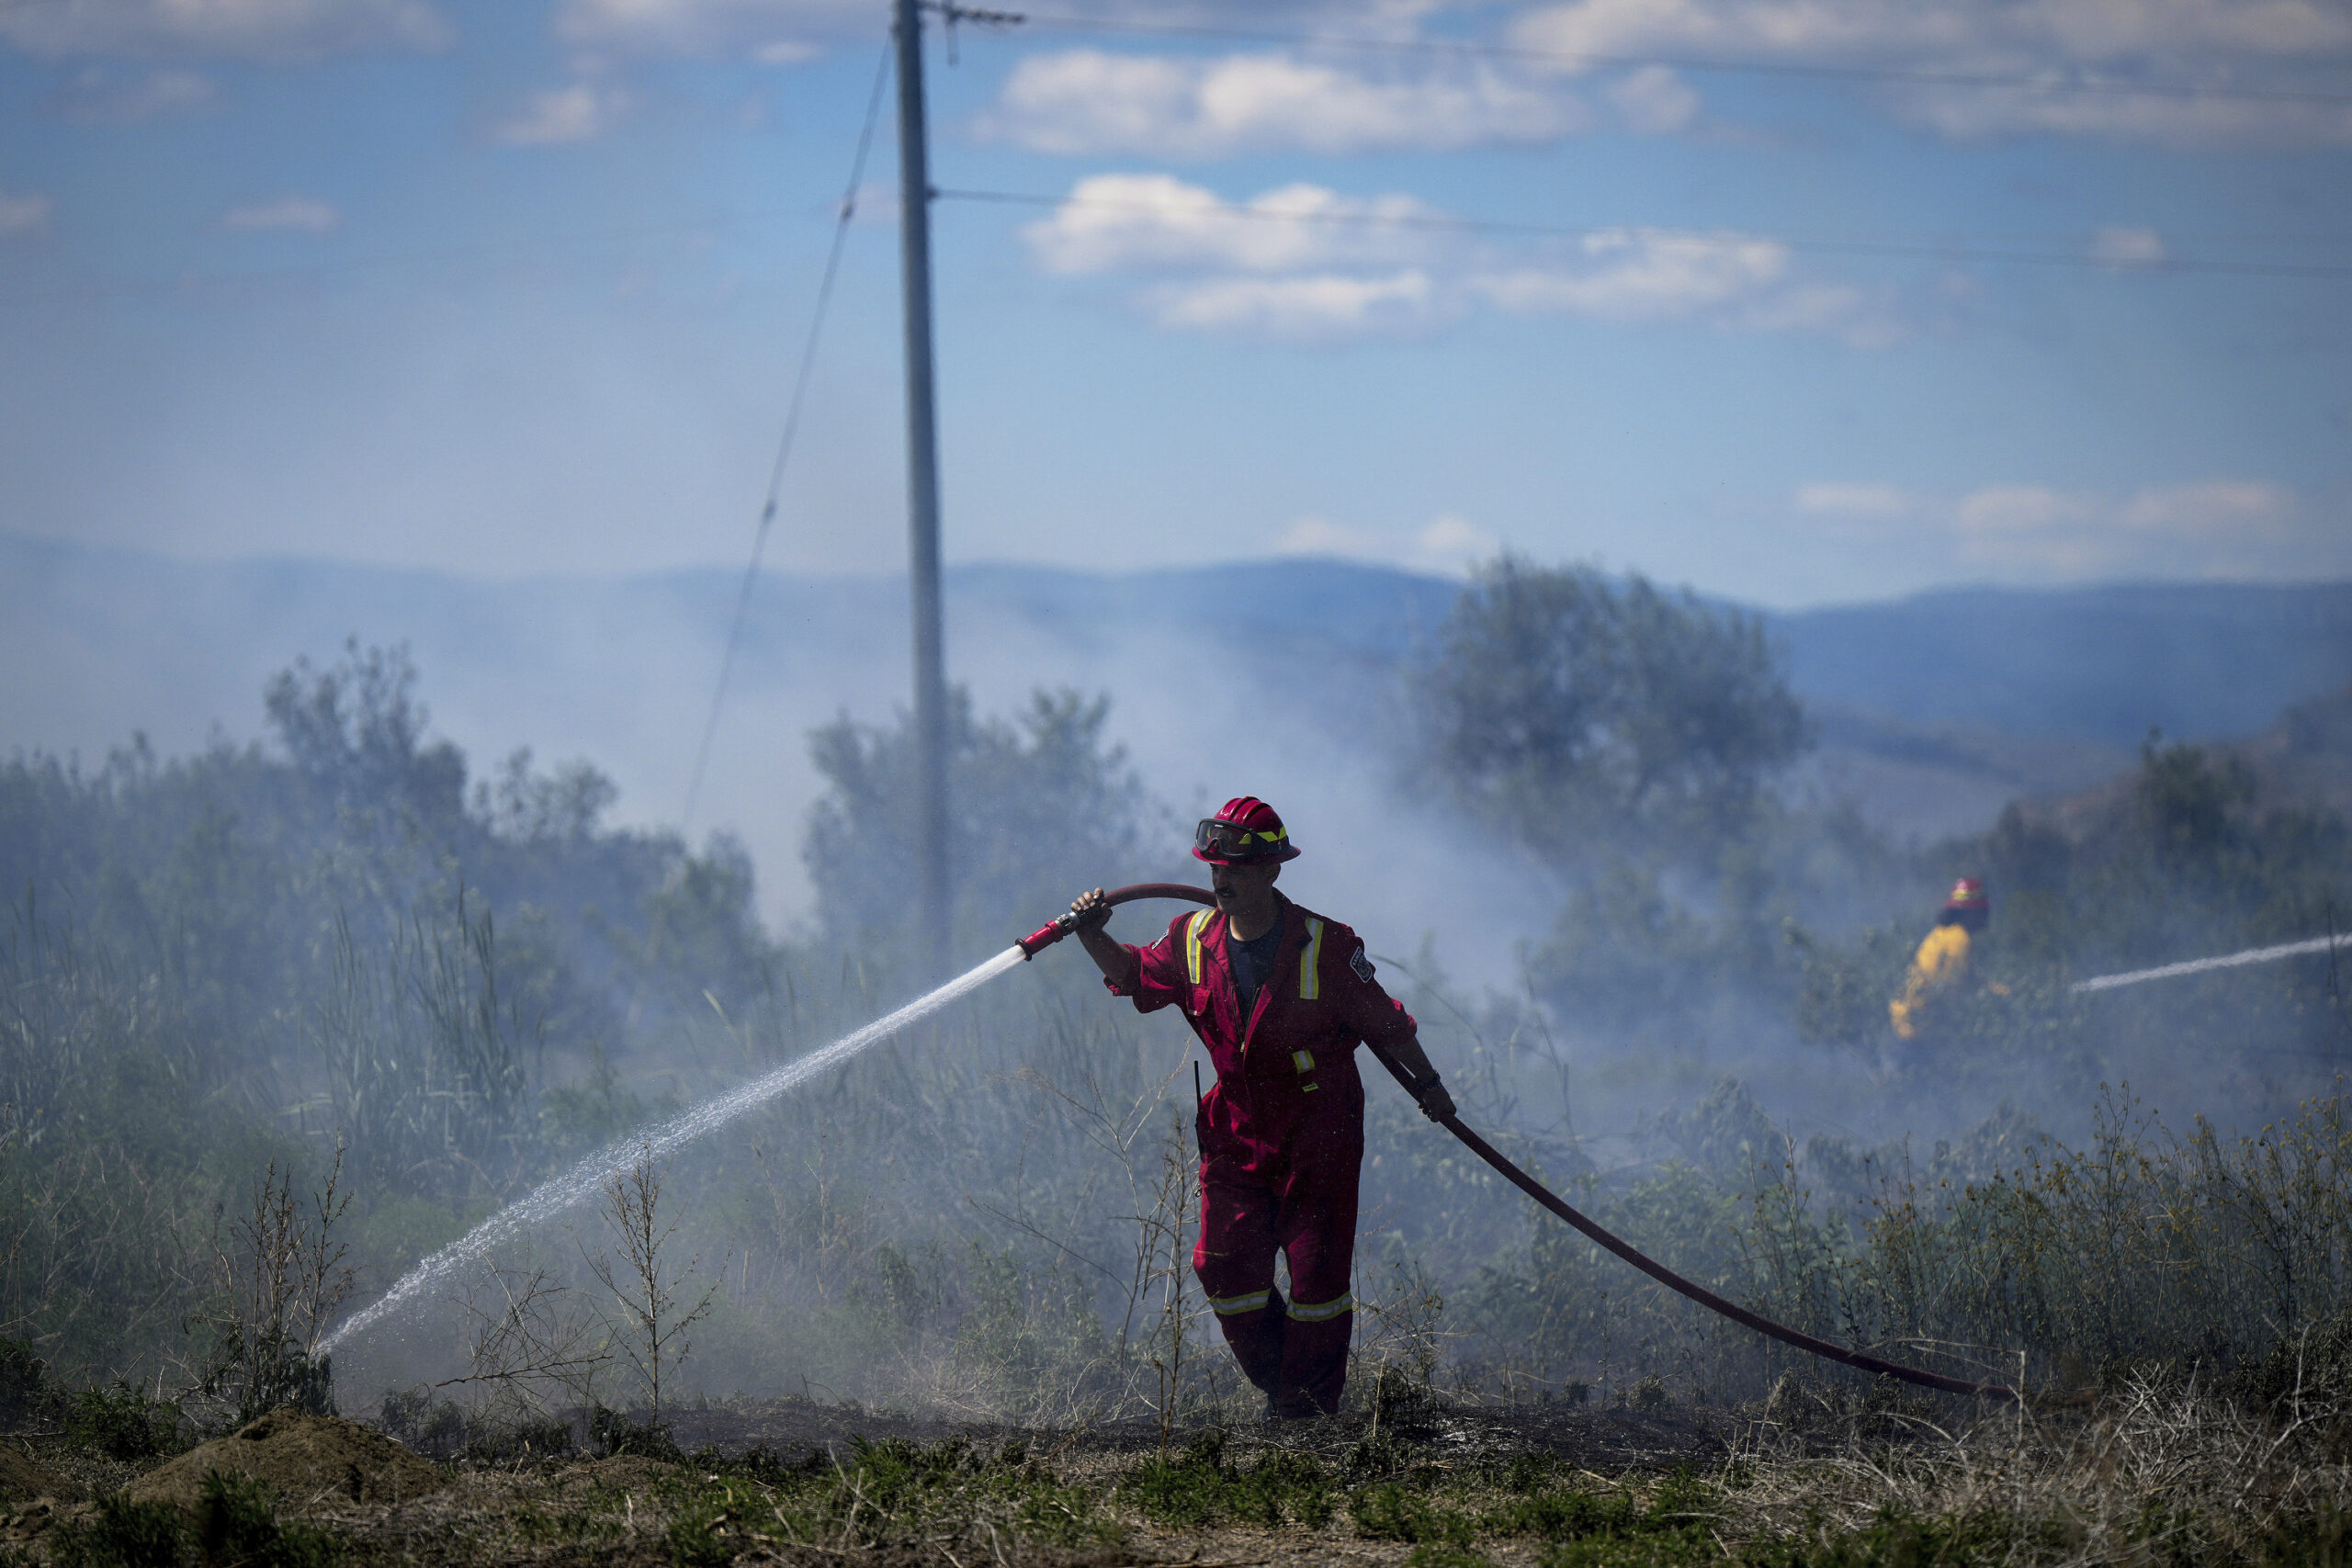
[2221, 43]
[1313, 307]
[300, 213]
[1130, 222]
[27, 214]
[1456, 542]
[1637, 275]
[282, 30]
[1087, 101]
[102, 93]
[1304, 264]
[1729, 280]
[771, 31]
[579, 112]
[2039, 534]
[2120, 248]
[1450, 545]
[1655, 100]
[1842, 498]
[2218, 527]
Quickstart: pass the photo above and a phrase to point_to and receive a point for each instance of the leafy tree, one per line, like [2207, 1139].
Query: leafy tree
[1584, 717]
[354, 733]
[1040, 808]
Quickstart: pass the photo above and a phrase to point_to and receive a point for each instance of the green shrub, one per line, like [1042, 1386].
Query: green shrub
[123, 1422]
[237, 1524]
[123, 1534]
[25, 1392]
[1388, 1512]
[1200, 1486]
[617, 1432]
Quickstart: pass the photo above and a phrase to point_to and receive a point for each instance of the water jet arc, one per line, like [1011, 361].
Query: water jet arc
[1053, 932]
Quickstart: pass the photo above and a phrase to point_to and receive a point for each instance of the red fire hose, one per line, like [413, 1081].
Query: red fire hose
[1045, 936]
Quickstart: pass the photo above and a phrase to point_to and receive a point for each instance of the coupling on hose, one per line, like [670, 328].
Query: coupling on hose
[1053, 931]
[1045, 936]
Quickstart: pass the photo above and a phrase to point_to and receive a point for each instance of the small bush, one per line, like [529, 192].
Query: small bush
[436, 1428]
[1200, 1486]
[518, 1440]
[1390, 1513]
[123, 1534]
[25, 1393]
[702, 1539]
[236, 1523]
[616, 1432]
[123, 1422]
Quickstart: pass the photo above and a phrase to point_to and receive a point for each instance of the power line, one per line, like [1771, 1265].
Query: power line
[791, 429]
[1467, 49]
[1688, 236]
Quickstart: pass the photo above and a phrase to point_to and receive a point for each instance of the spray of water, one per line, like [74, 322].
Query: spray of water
[2227, 960]
[589, 1177]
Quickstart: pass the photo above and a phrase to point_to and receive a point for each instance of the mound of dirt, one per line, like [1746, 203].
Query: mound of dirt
[20, 1477]
[310, 1459]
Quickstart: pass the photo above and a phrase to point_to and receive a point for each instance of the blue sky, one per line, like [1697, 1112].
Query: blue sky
[505, 290]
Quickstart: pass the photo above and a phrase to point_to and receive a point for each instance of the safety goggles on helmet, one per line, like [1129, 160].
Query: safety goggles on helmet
[1216, 840]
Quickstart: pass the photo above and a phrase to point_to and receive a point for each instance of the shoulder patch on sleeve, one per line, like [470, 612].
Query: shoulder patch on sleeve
[1362, 963]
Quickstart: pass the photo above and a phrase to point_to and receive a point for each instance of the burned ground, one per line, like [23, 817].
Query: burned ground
[1822, 1474]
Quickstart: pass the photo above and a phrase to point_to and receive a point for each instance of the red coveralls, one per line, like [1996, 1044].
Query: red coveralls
[1282, 1136]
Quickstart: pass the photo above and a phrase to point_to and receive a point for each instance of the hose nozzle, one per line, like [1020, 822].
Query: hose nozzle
[1045, 936]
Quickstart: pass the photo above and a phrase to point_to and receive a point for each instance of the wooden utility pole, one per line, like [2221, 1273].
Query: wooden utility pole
[922, 503]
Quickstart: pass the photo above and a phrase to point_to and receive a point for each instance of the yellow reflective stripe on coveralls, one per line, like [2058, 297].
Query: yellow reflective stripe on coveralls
[1310, 964]
[1321, 1310]
[1225, 1306]
[1192, 943]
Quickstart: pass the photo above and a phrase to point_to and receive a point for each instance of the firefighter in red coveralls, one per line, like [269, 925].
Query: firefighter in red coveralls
[1280, 996]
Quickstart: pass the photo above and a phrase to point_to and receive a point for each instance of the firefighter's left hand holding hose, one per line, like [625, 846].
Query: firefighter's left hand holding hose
[1435, 1104]
[1088, 913]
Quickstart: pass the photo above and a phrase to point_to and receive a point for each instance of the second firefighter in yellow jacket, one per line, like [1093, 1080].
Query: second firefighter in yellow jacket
[1940, 968]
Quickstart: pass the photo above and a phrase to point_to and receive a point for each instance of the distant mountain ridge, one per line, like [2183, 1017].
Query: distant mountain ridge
[1933, 710]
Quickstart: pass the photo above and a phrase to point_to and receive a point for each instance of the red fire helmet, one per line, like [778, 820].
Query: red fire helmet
[1244, 829]
[1968, 894]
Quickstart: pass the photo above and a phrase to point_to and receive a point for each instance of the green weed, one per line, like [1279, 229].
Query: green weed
[1200, 1486]
[237, 1523]
[123, 1422]
[1389, 1511]
[123, 1534]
